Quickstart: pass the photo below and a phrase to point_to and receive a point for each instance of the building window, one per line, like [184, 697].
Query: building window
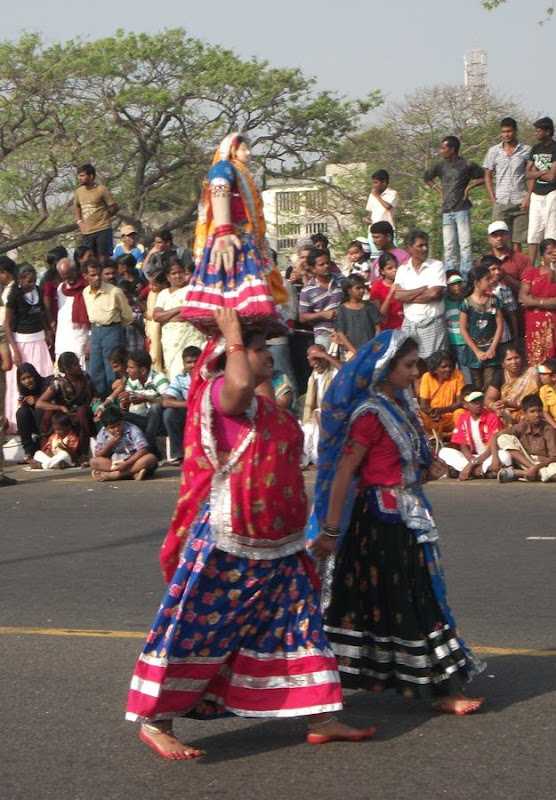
[288, 229]
[288, 243]
[316, 200]
[288, 201]
[316, 227]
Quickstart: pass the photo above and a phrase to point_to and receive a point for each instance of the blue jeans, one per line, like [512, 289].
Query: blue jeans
[456, 229]
[104, 338]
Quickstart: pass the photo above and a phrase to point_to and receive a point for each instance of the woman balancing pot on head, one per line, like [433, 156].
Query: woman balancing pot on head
[233, 268]
[239, 630]
[387, 617]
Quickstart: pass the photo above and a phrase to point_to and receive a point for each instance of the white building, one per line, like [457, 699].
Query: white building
[299, 207]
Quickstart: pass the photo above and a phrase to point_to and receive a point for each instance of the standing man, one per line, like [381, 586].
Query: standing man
[382, 199]
[383, 240]
[72, 323]
[508, 162]
[93, 206]
[321, 297]
[513, 262]
[108, 311]
[421, 286]
[457, 178]
[541, 174]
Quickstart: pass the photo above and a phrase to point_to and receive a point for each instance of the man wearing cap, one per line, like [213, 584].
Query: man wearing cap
[507, 161]
[129, 244]
[472, 435]
[514, 263]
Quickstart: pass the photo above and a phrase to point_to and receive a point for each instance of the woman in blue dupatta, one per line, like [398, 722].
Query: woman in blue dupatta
[384, 597]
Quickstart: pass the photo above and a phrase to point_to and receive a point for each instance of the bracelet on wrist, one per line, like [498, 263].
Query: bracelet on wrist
[235, 348]
[330, 531]
[223, 230]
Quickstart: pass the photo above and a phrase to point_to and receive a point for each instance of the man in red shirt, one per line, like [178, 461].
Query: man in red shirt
[514, 264]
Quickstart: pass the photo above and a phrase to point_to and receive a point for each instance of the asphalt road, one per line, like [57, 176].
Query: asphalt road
[79, 585]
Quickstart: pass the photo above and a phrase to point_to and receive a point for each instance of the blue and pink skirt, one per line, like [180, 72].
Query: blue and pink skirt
[235, 635]
[244, 288]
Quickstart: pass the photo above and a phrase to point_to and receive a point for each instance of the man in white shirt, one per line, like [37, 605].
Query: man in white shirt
[382, 199]
[72, 328]
[421, 286]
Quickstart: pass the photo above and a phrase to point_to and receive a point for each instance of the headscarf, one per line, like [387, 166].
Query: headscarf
[354, 391]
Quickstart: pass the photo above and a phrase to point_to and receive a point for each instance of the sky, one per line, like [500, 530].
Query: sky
[350, 46]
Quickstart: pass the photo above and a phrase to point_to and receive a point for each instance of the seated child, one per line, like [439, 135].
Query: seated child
[142, 398]
[531, 444]
[62, 446]
[121, 450]
[324, 367]
[547, 392]
[472, 435]
[174, 403]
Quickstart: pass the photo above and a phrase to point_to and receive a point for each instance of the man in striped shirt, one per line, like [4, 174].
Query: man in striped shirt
[142, 399]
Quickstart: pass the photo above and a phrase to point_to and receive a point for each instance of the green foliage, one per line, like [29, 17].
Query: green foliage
[406, 141]
[148, 111]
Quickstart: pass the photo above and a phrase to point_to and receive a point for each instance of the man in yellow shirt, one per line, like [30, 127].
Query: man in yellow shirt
[108, 312]
[93, 206]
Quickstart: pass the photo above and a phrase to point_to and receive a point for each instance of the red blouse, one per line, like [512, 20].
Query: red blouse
[381, 465]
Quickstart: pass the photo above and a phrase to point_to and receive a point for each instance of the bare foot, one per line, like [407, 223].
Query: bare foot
[101, 476]
[459, 705]
[335, 731]
[165, 744]
[141, 475]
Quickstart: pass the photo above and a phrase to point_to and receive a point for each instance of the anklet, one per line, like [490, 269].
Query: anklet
[314, 725]
[153, 729]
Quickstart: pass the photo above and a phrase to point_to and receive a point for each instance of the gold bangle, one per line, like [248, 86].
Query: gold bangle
[235, 348]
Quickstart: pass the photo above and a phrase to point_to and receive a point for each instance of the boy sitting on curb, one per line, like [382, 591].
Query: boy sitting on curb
[531, 444]
[473, 432]
[121, 450]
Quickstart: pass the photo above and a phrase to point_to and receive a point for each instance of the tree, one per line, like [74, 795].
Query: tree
[548, 11]
[406, 140]
[148, 111]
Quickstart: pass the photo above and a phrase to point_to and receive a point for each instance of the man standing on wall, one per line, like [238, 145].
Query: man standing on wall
[457, 178]
[541, 174]
[93, 206]
[507, 161]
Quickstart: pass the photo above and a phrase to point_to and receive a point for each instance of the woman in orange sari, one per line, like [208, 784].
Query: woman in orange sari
[440, 394]
[537, 294]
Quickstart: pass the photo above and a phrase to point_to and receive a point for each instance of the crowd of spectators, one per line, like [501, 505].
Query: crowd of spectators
[97, 357]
